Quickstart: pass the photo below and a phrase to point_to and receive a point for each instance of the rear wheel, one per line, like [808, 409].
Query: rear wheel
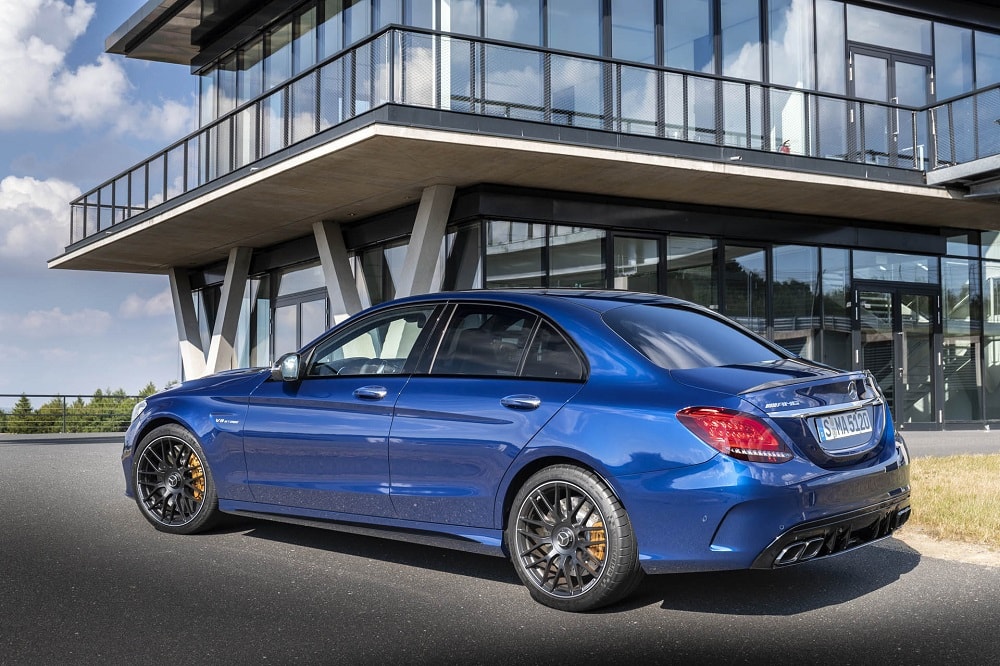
[174, 487]
[571, 540]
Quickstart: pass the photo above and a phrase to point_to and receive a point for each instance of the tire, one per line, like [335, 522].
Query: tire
[173, 484]
[571, 540]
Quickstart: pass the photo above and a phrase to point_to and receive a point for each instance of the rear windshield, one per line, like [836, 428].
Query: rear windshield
[678, 338]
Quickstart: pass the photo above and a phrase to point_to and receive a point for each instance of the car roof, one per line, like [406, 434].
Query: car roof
[600, 300]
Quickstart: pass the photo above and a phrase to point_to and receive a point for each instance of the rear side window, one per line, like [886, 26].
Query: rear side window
[679, 339]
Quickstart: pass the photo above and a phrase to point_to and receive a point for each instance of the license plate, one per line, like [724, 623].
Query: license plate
[838, 426]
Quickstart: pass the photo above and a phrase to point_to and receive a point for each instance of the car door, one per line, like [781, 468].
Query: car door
[320, 443]
[498, 375]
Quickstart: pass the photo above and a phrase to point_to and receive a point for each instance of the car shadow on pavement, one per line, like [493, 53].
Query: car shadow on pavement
[434, 558]
[780, 592]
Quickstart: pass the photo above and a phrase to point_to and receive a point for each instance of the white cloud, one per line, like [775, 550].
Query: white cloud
[135, 306]
[55, 323]
[34, 218]
[42, 92]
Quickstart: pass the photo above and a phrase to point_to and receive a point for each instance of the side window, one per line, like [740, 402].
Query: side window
[484, 340]
[379, 346]
[551, 357]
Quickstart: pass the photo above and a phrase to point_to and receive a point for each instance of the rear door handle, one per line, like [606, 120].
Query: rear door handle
[371, 392]
[523, 402]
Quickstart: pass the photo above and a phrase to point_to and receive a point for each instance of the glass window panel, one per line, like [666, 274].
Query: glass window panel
[789, 122]
[688, 38]
[637, 112]
[301, 279]
[419, 13]
[836, 280]
[632, 35]
[395, 256]
[895, 267]
[331, 30]
[892, 31]
[207, 97]
[462, 74]
[678, 338]
[514, 21]
[637, 264]
[964, 244]
[991, 244]
[370, 277]
[791, 42]
[379, 346]
[576, 257]
[952, 60]
[577, 92]
[991, 312]
[484, 340]
[357, 20]
[575, 25]
[304, 47]
[313, 320]
[746, 286]
[278, 62]
[389, 11]
[796, 299]
[551, 357]
[227, 84]
[871, 77]
[961, 357]
[260, 352]
[285, 331]
[741, 48]
[251, 74]
[463, 17]
[514, 254]
[830, 40]
[692, 270]
[462, 258]
[514, 83]
[701, 110]
[987, 59]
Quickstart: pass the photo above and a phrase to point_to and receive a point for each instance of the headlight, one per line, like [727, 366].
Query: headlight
[139, 406]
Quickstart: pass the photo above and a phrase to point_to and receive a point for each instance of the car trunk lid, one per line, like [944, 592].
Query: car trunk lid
[834, 418]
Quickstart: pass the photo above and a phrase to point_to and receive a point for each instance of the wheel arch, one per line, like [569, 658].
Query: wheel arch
[517, 477]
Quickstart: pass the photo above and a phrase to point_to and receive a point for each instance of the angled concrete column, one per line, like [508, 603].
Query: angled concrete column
[188, 334]
[340, 283]
[425, 241]
[220, 352]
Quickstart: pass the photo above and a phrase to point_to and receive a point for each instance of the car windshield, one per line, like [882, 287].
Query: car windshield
[679, 338]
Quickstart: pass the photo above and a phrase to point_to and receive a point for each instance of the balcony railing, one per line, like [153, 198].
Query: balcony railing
[426, 69]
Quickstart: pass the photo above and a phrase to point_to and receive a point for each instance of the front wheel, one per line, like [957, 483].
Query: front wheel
[173, 485]
[571, 540]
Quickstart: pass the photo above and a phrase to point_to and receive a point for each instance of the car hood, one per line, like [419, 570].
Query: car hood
[226, 381]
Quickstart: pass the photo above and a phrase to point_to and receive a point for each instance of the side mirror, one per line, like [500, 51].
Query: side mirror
[288, 368]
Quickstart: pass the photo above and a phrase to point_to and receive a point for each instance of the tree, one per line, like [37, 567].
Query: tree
[22, 417]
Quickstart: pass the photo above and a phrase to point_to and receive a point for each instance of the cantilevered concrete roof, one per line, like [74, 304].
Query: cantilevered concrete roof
[380, 167]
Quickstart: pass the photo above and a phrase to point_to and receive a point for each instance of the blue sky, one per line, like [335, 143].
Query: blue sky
[71, 117]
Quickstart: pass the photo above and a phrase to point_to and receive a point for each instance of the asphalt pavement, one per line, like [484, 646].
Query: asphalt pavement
[85, 580]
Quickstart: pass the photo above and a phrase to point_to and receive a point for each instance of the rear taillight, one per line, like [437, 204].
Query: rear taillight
[736, 434]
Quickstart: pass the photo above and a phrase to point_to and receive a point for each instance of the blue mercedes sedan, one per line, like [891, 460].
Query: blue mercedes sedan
[590, 437]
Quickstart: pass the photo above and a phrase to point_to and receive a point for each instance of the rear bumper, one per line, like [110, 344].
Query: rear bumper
[835, 534]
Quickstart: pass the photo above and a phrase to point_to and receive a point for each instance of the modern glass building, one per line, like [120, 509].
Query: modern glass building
[825, 172]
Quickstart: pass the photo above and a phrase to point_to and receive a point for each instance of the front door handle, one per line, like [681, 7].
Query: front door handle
[371, 392]
[523, 402]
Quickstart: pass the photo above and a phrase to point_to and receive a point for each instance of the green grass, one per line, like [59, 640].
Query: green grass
[957, 498]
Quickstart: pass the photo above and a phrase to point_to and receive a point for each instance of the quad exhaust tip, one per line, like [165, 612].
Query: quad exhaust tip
[800, 551]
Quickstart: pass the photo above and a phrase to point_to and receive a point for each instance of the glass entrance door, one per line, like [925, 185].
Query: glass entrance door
[897, 341]
[891, 136]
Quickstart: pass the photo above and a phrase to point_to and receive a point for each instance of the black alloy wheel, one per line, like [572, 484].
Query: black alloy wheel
[571, 540]
[173, 484]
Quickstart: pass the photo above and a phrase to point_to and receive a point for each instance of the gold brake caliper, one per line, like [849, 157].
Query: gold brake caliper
[597, 534]
[197, 477]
